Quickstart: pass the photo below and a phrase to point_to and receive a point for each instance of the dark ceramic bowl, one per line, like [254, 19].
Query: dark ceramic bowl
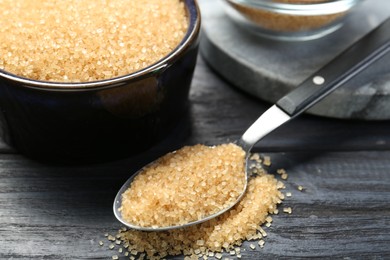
[101, 120]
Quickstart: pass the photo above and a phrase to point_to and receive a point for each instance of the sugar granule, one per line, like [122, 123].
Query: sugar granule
[186, 185]
[229, 230]
[225, 233]
[80, 41]
[287, 210]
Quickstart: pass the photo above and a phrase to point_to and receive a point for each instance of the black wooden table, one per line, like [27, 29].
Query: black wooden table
[62, 212]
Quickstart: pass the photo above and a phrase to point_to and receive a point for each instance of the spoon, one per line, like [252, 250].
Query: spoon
[341, 69]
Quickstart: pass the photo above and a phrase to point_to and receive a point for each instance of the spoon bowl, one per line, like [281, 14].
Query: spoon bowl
[333, 75]
[118, 204]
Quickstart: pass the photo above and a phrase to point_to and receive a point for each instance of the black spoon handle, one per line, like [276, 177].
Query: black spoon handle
[338, 71]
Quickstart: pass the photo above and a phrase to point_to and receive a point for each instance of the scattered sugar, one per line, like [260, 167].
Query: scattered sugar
[211, 239]
[255, 157]
[80, 41]
[261, 243]
[267, 161]
[281, 185]
[287, 210]
[224, 233]
[262, 232]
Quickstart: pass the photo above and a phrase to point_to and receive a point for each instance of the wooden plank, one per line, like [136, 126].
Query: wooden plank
[57, 212]
[62, 212]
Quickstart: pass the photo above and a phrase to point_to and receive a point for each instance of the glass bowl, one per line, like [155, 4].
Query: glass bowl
[290, 19]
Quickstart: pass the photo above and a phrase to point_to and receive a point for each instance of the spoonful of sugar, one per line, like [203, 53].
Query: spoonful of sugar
[197, 183]
[184, 186]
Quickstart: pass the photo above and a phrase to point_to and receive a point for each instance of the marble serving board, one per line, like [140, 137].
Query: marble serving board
[268, 69]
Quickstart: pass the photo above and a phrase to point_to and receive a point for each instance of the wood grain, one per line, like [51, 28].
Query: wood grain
[62, 212]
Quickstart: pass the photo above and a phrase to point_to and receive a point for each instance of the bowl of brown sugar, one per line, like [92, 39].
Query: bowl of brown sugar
[290, 19]
[94, 80]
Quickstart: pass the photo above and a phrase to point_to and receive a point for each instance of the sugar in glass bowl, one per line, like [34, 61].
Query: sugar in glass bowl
[290, 19]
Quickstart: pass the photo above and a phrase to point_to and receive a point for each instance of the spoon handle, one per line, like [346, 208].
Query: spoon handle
[338, 71]
[333, 75]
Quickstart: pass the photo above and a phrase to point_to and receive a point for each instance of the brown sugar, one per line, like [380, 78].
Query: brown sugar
[225, 233]
[186, 185]
[80, 41]
[283, 22]
[220, 234]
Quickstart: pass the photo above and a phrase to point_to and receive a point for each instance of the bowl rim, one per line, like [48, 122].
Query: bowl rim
[318, 8]
[193, 30]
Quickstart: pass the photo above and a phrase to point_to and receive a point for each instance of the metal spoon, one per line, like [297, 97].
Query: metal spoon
[341, 69]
